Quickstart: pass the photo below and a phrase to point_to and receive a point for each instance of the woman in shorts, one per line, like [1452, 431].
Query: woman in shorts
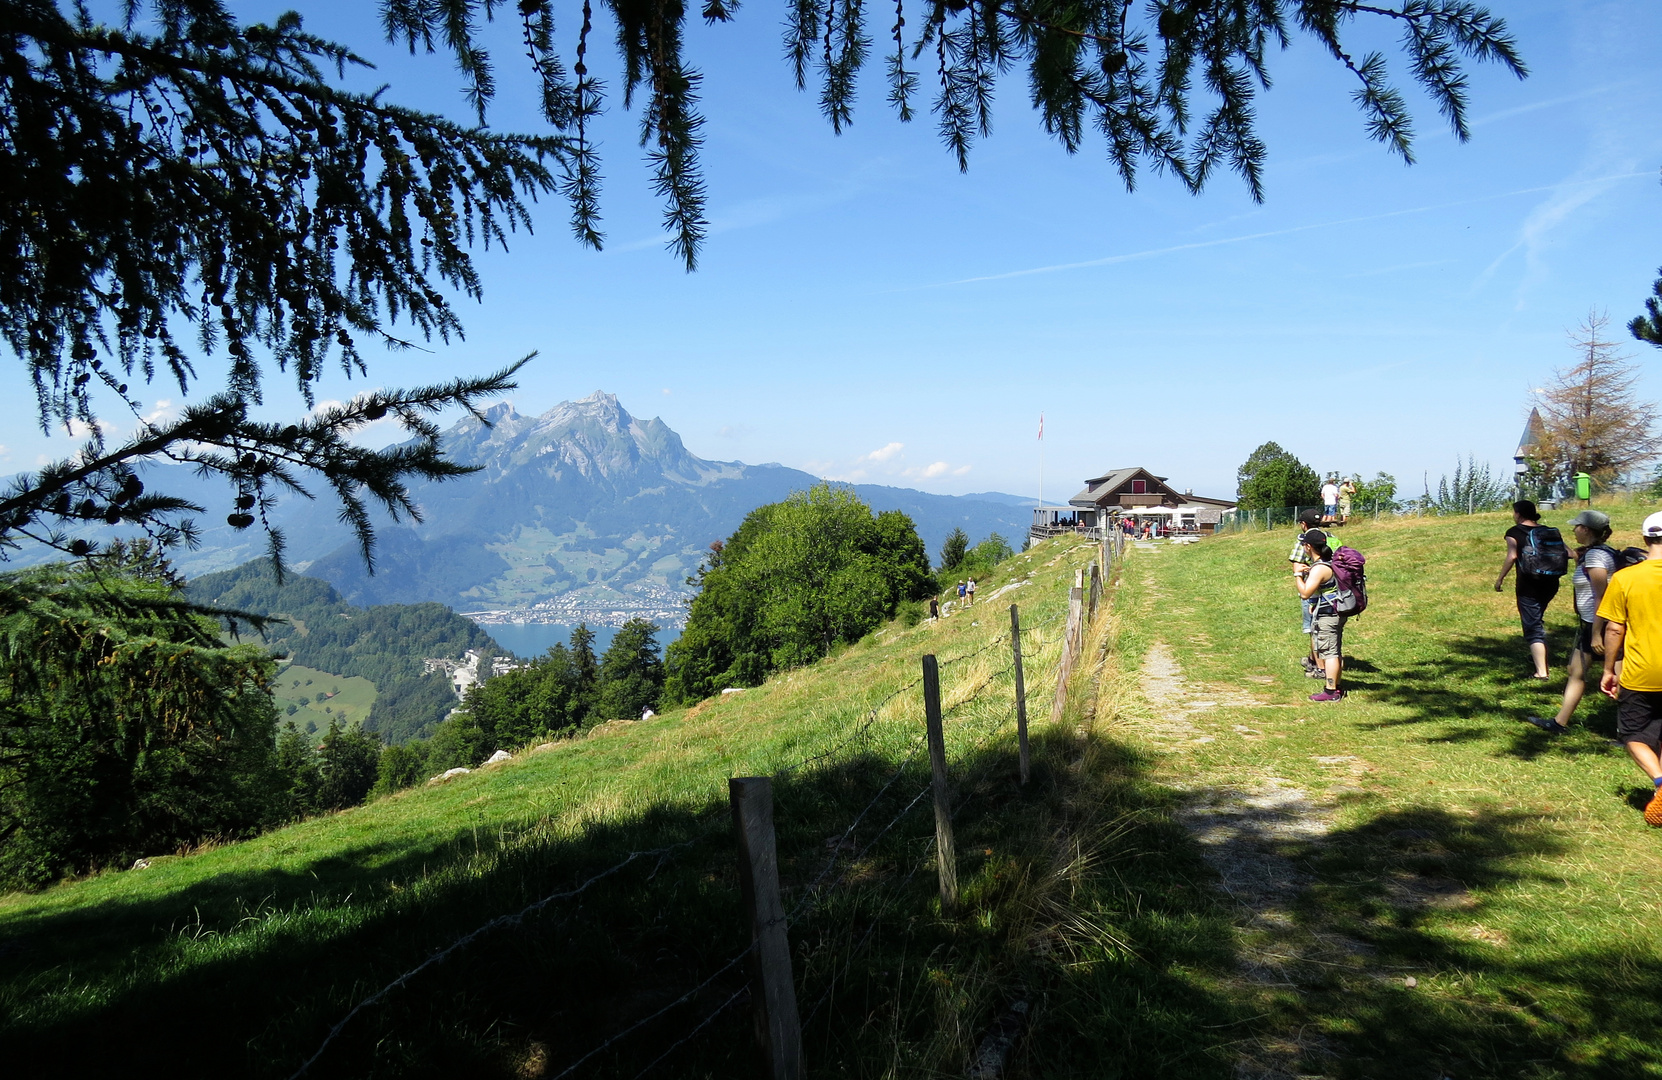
[1327, 636]
[1595, 561]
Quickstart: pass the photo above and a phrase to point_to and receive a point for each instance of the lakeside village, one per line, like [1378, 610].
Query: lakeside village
[1130, 497]
[660, 604]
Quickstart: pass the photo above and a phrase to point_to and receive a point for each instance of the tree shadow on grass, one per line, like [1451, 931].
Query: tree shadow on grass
[1469, 691]
[258, 965]
[1407, 889]
[1082, 895]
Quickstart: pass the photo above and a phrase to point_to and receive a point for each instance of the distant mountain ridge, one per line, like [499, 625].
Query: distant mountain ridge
[582, 513]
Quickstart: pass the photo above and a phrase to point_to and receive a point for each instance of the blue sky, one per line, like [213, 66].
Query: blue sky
[865, 311]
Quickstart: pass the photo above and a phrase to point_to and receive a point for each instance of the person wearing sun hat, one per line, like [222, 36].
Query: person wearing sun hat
[1595, 561]
[1632, 613]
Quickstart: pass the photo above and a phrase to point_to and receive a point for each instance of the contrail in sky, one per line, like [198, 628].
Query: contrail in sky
[1175, 248]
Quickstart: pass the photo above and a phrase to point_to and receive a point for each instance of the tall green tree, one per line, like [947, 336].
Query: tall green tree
[631, 672]
[953, 550]
[1272, 478]
[126, 726]
[796, 579]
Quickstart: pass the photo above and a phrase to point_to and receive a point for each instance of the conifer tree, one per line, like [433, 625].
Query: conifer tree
[181, 175]
[1593, 419]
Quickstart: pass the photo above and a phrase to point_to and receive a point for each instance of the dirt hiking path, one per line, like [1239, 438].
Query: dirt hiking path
[1261, 833]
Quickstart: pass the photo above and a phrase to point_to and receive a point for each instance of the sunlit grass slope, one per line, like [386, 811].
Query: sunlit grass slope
[326, 697]
[1507, 872]
[1080, 898]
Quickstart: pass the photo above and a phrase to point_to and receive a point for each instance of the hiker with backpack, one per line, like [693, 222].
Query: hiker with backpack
[1308, 519]
[1595, 561]
[1336, 585]
[1542, 559]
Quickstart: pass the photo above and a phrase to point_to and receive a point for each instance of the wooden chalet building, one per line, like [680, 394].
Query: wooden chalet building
[1135, 495]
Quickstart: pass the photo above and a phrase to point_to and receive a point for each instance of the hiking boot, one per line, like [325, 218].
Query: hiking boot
[1653, 810]
[1551, 727]
[1339, 695]
[1315, 673]
[1310, 666]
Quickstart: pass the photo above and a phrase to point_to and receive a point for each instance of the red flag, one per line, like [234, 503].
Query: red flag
[1041, 427]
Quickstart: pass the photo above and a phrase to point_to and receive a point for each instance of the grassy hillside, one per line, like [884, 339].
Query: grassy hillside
[1456, 893]
[1208, 876]
[1079, 898]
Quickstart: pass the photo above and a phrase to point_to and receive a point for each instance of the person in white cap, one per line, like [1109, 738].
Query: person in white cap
[1632, 611]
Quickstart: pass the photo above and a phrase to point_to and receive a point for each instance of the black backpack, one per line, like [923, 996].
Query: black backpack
[1627, 557]
[1543, 554]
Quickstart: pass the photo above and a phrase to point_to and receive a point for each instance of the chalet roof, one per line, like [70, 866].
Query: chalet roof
[1095, 486]
[1098, 486]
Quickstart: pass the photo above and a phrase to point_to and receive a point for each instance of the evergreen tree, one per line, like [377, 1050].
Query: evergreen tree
[302, 778]
[631, 672]
[1593, 419]
[1648, 327]
[953, 550]
[126, 725]
[349, 760]
[585, 677]
[208, 174]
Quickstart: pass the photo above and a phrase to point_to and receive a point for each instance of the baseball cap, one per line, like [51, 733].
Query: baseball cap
[1652, 525]
[1593, 519]
[1316, 538]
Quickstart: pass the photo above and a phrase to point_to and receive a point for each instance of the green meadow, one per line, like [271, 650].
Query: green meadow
[319, 697]
[1482, 898]
[1206, 876]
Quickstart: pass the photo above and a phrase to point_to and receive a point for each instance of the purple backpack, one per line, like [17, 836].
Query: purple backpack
[1351, 595]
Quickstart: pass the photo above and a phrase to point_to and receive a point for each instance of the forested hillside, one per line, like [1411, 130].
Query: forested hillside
[384, 644]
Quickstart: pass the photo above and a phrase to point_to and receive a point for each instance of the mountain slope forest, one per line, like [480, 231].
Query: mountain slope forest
[384, 644]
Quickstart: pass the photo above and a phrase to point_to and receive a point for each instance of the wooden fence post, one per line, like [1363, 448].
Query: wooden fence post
[1021, 691]
[1096, 594]
[772, 991]
[946, 851]
[1070, 645]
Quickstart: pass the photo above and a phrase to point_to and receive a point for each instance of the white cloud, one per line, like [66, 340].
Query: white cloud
[666, 391]
[164, 410]
[885, 453]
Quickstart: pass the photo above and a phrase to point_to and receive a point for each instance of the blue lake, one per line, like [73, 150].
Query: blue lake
[531, 639]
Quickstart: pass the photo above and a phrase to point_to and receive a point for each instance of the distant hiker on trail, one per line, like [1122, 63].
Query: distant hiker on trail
[1632, 610]
[970, 591]
[1347, 491]
[935, 607]
[1327, 638]
[1330, 499]
[1301, 560]
[1595, 561]
[960, 594]
[1539, 553]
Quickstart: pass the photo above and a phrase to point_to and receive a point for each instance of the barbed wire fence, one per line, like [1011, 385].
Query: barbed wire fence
[763, 987]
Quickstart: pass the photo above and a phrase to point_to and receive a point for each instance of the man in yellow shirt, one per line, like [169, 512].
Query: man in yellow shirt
[1632, 608]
